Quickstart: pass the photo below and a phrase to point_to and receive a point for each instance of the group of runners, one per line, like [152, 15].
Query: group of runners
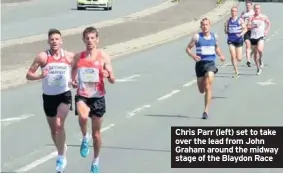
[86, 71]
[250, 27]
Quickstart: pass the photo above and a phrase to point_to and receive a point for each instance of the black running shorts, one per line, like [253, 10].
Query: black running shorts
[255, 41]
[202, 67]
[97, 105]
[51, 102]
[247, 35]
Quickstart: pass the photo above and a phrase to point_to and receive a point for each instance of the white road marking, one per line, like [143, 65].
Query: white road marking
[190, 83]
[168, 95]
[134, 112]
[48, 157]
[107, 127]
[267, 83]
[128, 79]
[225, 64]
[12, 120]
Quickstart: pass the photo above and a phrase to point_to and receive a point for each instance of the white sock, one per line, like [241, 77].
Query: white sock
[86, 137]
[60, 157]
[95, 161]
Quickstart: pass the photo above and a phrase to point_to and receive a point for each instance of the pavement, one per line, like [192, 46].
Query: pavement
[158, 90]
[34, 19]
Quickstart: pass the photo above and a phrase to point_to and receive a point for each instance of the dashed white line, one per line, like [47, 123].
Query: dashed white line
[107, 127]
[168, 95]
[21, 117]
[12, 120]
[48, 157]
[127, 79]
[134, 112]
[190, 83]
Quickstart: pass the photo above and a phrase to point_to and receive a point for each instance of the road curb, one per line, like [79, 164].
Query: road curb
[16, 77]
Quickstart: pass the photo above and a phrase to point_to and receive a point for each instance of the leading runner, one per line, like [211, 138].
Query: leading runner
[88, 72]
[55, 64]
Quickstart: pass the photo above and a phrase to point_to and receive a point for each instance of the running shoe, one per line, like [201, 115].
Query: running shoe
[94, 168]
[84, 150]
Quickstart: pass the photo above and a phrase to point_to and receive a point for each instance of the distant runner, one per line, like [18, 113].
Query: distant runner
[235, 28]
[89, 70]
[55, 64]
[207, 46]
[245, 16]
[259, 31]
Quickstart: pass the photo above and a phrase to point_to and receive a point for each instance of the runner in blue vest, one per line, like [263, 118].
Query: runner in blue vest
[207, 46]
[235, 28]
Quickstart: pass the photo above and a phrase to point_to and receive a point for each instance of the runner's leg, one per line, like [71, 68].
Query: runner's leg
[232, 51]
[83, 111]
[256, 57]
[248, 52]
[260, 48]
[239, 53]
[56, 120]
[208, 92]
[200, 76]
[97, 111]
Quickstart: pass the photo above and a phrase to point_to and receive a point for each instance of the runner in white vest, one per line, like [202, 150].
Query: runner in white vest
[259, 30]
[245, 16]
[55, 65]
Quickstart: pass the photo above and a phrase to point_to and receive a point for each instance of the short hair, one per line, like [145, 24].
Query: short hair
[204, 19]
[53, 31]
[249, 2]
[234, 7]
[257, 5]
[90, 30]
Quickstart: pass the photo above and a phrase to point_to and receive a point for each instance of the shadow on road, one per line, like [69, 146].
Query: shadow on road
[120, 148]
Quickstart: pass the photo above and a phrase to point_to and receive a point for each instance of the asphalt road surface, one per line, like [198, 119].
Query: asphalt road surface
[37, 16]
[161, 94]
[19, 56]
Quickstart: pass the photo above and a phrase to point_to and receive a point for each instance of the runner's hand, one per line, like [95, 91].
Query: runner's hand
[43, 74]
[111, 79]
[239, 35]
[197, 58]
[105, 73]
[222, 58]
[74, 84]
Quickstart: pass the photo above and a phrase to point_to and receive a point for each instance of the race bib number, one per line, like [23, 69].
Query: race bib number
[56, 80]
[90, 75]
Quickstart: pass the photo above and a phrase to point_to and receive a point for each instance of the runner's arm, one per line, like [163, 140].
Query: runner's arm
[268, 22]
[37, 62]
[74, 67]
[226, 27]
[249, 24]
[107, 64]
[191, 44]
[244, 26]
[217, 47]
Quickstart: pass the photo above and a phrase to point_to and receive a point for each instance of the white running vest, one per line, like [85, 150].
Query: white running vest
[259, 23]
[59, 75]
[246, 15]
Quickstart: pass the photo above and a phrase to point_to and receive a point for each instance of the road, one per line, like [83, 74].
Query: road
[162, 94]
[181, 13]
[37, 16]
